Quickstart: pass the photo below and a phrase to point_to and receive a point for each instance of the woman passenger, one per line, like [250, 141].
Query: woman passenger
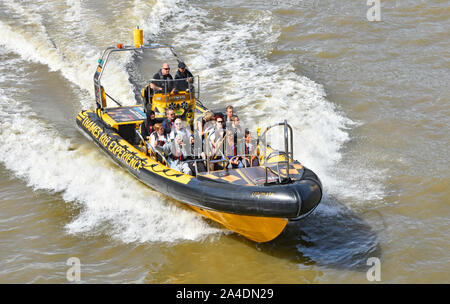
[158, 137]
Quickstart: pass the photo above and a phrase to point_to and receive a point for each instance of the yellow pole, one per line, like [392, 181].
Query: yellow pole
[138, 37]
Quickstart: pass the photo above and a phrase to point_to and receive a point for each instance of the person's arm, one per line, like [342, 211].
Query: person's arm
[153, 141]
[200, 128]
[155, 84]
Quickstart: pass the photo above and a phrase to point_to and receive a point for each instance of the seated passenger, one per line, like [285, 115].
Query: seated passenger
[196, 153]
[251, 158]
[176, 155]
[165, 85]
[167, 123]
[183, 73]
[216, 137]
[232, 151]
[236, 126]
[203, 123]
[228, 118]
[158, 138]
[179, 129]
[147, 125]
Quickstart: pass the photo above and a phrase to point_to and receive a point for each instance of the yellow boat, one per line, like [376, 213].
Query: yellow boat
[256, 201]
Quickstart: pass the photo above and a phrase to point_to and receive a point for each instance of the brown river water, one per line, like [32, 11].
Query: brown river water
[369, 102]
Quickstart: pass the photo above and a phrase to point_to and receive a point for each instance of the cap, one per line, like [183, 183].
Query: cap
[182, 65]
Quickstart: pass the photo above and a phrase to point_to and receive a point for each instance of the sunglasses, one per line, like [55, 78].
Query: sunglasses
[166, 69]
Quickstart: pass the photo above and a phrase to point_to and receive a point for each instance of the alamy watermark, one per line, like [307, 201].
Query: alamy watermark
[374, 272]
[73, 274]
[374, 12]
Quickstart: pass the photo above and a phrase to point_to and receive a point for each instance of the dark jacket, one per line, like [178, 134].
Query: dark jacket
[182, 85]
[167, 125]
[147, 127]
[166, 84]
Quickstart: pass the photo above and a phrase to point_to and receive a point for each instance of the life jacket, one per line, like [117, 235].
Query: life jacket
[160, 142]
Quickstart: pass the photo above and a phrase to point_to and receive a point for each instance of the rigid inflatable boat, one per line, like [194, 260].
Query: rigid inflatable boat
[254, 200]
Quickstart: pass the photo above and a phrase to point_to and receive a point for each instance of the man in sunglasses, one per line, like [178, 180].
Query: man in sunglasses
[165, 85]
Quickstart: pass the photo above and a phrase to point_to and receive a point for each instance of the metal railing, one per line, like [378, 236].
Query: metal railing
[102, 62]
[288, 152]
[149, 147]
[193, 89]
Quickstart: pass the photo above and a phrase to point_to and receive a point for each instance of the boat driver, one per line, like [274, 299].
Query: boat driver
[185, 78]
[165, 85]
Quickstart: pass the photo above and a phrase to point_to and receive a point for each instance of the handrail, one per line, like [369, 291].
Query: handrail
[102, 62]
[191, 87]
[156, 151]
[288, 148]
[208, 134]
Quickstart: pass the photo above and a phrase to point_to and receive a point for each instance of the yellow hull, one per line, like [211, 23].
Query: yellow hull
[255, 228]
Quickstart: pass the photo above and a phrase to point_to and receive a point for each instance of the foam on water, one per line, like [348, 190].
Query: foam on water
[108, 197]
[111, 201]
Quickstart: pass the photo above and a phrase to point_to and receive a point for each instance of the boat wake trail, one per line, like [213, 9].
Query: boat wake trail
[111, 202]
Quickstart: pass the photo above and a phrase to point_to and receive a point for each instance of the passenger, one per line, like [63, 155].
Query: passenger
[236, 126]
[158, 138]
[183, 73]
[232, 151]
[176, 152]
[203, 124]
[180, 130]
[217, 136]
[147, 126]
[165, 85]
[251, 157]
[167, 123]
[196, 153]
[228, 119]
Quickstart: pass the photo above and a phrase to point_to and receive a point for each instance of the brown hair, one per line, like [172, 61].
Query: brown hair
[157, 126]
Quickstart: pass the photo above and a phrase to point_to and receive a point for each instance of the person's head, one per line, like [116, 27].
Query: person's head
[165, 69]
[170, 114]
[248, 136]
[235, 120]
[158, 128]
[182, 67]
[219, 122]
[208, 115]
[229, 111]
[178, 124]
[151, 115]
